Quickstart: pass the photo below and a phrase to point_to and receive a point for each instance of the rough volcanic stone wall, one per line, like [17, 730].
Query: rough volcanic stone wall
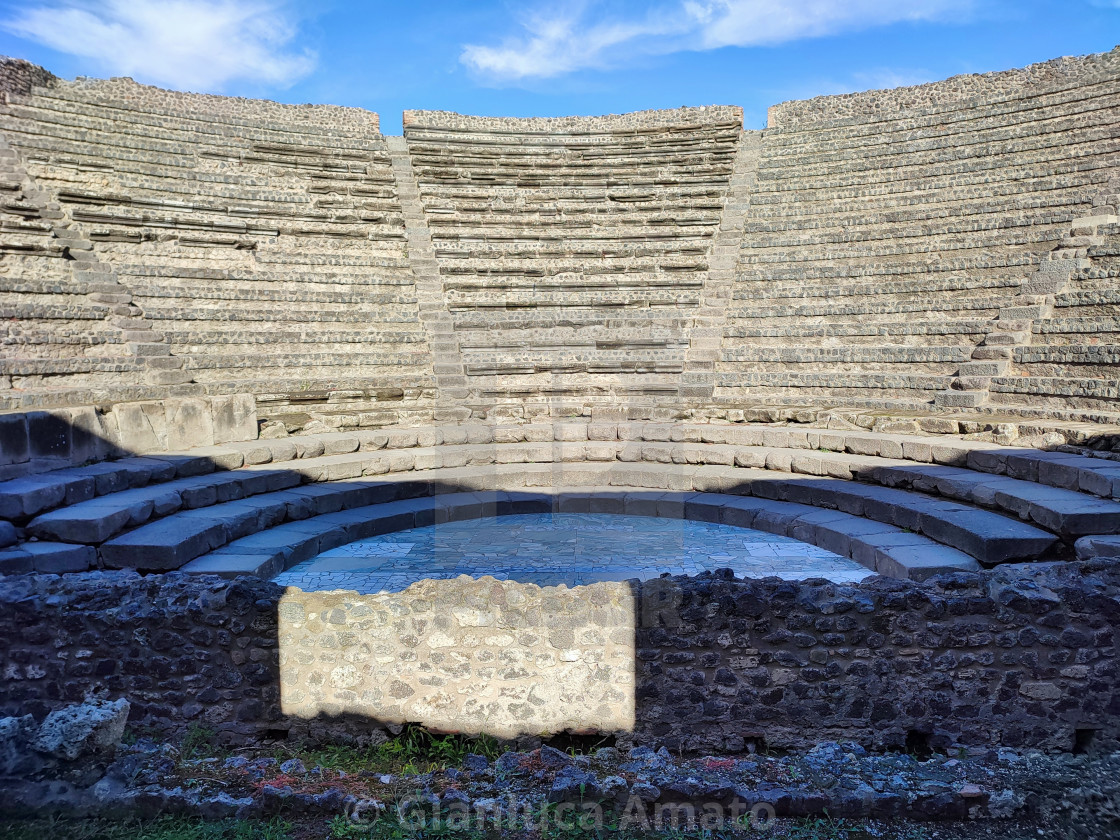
[973, 89]
[126, 94]
[1017, 657]
[19, 76]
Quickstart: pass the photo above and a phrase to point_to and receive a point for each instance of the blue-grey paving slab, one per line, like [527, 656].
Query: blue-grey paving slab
[564, 548]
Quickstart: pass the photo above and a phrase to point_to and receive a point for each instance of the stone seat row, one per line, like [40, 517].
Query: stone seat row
[1072, 148]
[170, 165]
[672, 152]
[965, 153]
[95, 104]
[911, 355]
[889, 550]
[632, 281]
[123, 140]
[502, 199]
[292, 207]
[864, 331]
[925, 285]
[951, 203]
[844, 308]
[1026, 108]
[577, 237]
[439, 137]
[577, 136]
[649, 264]
[392, 232]
[963, 149]
[575, 207]
[828, 249]
[983, 263]
[1013, 175]
[234, 335]
[951, 231]
[563, 175]
[570, 219]
[48, 490]
[25, 497]
[1068, 514]
[186, 535]
[372, 296]
[513, 255]
[948, 207]
[162, 165]
[192, 312]
[534, 224]
[1032, 96]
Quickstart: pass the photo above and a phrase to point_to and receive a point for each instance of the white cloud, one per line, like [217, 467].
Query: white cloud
[198, 45]
[564, 40]
[574, 37]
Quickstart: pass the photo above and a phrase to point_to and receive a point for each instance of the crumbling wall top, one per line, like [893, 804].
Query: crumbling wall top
[636, 120]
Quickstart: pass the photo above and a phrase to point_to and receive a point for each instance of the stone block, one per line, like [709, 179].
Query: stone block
[14, 561]
[14, 443]
[1089, 548]
[234, 565]
[59, 558]
[190, 424]
[49, 435]
[141, 426]
[94, 727]
[88, 439]
[165, 545]
[234, 418]
[923, 562]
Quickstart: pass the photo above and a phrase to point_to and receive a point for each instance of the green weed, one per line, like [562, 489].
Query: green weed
[165, 828]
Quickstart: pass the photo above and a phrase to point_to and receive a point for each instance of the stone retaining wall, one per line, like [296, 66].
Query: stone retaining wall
[1023, 656]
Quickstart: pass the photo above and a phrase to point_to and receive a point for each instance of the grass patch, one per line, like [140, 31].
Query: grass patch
[198, 742]
[164, 828]
[415, 750]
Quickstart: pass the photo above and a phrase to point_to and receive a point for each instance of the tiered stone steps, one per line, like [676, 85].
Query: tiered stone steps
[227, 219]
[878, 250]
[986, 503]
[574, 254]
[59, 325]
[1072, 348]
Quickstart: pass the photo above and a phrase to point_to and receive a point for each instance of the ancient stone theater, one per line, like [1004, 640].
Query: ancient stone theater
[639, 424]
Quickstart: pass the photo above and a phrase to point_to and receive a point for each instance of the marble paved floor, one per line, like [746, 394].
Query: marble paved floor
[564, 548]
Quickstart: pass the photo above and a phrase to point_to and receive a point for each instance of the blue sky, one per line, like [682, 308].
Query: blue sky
[547, 58]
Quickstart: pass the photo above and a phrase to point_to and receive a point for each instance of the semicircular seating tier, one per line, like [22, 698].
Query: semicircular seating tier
[903, 505]
[167, 238]
[946, 244]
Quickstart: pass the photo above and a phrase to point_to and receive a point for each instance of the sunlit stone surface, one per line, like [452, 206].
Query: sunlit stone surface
[477, 656]
[564, 548]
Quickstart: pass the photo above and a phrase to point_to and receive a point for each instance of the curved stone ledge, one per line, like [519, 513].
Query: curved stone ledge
[892, 551]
